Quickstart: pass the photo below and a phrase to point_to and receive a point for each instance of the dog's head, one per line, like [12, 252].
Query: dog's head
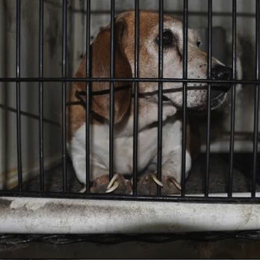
[124, 59]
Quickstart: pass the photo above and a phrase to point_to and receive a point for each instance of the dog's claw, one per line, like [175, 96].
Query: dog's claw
[113, 187]
[147, 185]
[83, 190]
[118, 184]
[172, 180]
[155, 179]
[110, 184]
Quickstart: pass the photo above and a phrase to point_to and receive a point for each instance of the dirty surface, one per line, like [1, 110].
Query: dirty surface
[218, 179]
[179, 249]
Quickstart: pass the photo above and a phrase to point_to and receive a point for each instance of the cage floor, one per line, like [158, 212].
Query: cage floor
[218, 180]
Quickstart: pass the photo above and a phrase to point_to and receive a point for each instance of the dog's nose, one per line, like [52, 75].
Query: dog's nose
[221, 73]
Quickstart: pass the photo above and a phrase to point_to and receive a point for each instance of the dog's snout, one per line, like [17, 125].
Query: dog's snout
[221, 73]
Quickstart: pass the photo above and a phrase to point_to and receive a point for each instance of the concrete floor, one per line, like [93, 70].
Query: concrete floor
[179, 249]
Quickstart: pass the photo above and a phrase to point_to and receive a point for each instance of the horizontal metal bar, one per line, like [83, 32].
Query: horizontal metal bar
[188, 198]
[104, 12]
[33, 116]
[60, 79]
[191, 13]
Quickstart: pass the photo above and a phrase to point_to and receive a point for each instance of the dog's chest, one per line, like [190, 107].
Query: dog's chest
[123, 145]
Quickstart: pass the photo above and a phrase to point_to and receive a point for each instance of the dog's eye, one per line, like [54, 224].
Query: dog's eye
[167, 38]
[199, 43]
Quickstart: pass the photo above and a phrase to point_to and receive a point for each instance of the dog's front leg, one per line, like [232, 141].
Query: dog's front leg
[171, 175]
[99, 178]
[99, 173]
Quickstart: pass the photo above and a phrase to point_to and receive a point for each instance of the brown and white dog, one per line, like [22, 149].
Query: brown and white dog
[148, 106]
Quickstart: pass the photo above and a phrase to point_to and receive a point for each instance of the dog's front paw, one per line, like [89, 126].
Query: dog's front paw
[147, 185]
[117, 185]
[168, 111]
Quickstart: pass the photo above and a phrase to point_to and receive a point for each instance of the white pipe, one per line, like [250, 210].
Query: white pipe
[66, 216]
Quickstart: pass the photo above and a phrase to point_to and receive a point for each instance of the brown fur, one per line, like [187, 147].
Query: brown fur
[124, 52]
[100, 104]
[148, 20]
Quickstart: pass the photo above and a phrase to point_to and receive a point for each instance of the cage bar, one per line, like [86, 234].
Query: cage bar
[145, 79]
[160, 95]
[112, 89]
[64, 92]
[256, 101]
[18, 94]
[30, 115]
[218, 198]
[208, 98]
[88, 93]
[230, 197]
[184, 97]
[175, 13]
[233, 98]
[41, 100]
[136, 97]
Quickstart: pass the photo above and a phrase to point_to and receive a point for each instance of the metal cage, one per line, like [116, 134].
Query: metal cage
[42, 80]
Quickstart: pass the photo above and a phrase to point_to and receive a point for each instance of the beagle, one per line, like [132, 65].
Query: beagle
[148, 105]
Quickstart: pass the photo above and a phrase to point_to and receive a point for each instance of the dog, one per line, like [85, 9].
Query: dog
[124, 33]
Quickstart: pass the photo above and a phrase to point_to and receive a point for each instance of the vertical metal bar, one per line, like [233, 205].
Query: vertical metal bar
[136, 96]
[256, 102]
[64, 92]
[185, 76]
[41, 148]
[160, 95]
[88, 93]
[233, 98]
[208, 98]
[18, 94]
[112, 90]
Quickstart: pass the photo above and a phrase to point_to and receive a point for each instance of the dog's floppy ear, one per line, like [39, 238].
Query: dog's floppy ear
[101, 69]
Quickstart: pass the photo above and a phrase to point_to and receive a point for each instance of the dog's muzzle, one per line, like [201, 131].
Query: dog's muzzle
[219, 91]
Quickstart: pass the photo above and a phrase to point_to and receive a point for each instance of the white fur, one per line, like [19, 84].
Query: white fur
[148, 114]
[123, 151]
